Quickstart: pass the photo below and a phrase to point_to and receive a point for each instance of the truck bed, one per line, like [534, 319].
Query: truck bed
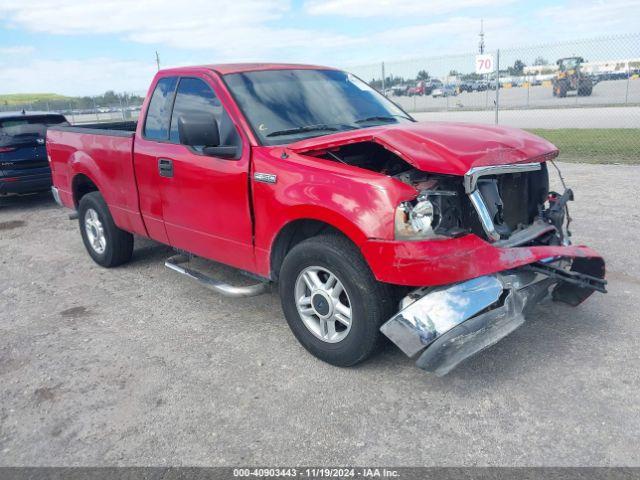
[117, 129]
[106, 154]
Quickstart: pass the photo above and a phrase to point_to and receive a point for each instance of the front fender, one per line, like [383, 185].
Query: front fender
[325, 215]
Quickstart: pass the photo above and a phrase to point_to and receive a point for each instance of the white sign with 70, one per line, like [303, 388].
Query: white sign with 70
[485, 64]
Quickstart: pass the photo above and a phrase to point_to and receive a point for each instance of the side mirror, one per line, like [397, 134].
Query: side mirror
[201, 130]
[198, 130]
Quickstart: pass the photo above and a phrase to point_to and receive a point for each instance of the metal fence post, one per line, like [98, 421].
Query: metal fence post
[383, 80]
[497, 83]
[486, 91]
[95, 109]
[626, 95]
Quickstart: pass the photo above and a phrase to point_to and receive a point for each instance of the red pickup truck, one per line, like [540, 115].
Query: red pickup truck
[440, 236]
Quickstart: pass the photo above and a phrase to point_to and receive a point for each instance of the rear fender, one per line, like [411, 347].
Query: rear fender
[124, 218]
[82, 164]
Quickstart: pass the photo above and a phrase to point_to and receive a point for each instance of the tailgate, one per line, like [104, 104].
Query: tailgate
[22, 158]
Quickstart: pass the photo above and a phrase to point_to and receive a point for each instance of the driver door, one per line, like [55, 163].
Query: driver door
[205, 199]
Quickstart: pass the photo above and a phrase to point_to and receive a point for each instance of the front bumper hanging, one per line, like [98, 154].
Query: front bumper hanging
[451, 323]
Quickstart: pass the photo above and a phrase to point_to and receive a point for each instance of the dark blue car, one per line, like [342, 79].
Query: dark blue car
[24, 167]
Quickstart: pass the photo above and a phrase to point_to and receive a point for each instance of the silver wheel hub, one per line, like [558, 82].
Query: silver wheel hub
[95, 231]
[323, 304]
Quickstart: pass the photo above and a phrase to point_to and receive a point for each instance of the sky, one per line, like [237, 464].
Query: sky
[84, 47]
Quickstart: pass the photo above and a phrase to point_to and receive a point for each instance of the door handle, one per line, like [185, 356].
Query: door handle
[165, 167]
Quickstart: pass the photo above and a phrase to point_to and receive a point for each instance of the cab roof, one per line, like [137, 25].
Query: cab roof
[227, 68]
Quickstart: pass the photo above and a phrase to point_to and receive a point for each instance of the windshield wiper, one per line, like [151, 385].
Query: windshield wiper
[381, 118]
[320, 127]
[377, 118]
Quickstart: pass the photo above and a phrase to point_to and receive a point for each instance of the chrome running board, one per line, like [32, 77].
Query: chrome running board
[223, 288]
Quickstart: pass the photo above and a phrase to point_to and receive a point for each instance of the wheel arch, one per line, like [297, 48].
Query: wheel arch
[295, 231]
[81, 184]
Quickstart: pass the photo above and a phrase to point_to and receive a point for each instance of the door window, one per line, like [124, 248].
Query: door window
[195, 96]
[156, 126]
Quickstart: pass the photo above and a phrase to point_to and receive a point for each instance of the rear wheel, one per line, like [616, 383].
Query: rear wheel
[585, 90]
[108, 245]
[332, 303]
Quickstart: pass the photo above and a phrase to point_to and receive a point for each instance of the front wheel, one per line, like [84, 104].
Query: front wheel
[560, 89]
[332, 303]
[585, 90]
[106, 243]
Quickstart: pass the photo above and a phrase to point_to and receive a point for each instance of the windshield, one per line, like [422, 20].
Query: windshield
[26, 130]
[569, 63]
[285, 106]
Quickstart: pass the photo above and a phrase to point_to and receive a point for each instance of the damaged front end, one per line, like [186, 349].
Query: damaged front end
[451, 323]
[481, 243]
[511, 207]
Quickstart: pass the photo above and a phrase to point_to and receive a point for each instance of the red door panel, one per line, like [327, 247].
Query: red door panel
[205, 206]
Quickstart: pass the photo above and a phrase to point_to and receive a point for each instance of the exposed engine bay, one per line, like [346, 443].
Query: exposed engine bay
[510, 205]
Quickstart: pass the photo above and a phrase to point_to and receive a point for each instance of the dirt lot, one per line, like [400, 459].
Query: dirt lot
[138, 366]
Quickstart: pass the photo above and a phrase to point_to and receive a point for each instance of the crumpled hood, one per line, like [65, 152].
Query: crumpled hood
[443, 147]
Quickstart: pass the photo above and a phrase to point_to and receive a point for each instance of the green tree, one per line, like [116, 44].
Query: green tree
[518, 68]
[423, 75]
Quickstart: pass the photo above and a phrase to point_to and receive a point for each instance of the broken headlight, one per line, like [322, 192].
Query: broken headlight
[430, 216]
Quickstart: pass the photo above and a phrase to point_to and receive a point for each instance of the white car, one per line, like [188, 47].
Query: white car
[444, 91]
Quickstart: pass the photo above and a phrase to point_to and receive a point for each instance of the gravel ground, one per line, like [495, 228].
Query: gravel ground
[138, 366]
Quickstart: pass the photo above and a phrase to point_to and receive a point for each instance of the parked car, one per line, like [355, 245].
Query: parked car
[438, 235]
[400, 90]
[418, 89]
[431, 85]
[23, 158]
[465, 86]
[480, 86]
[444, 91]
[424, 87]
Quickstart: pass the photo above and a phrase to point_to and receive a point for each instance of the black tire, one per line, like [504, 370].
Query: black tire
[562, 90]
[585, 90]
[119, 244]
[371, 302]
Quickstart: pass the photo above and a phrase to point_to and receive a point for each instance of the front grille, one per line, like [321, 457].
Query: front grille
[511, 201]
[521, 194]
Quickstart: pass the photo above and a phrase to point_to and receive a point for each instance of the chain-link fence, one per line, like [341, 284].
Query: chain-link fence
[102, 108]
[582, 95]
